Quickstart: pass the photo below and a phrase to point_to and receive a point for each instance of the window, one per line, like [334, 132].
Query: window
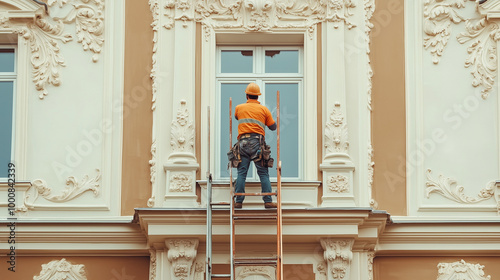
[7, 85]
[273, 69]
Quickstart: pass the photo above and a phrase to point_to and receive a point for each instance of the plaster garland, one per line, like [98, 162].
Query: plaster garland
[73, 190]
[259, 15]
[449, 189]
[369, 6]
[321, 271]
[152, 264]
[182, 131]
[336, 133]
[461, 270]
[338, 183]
[180, 182]
[481, 34]
[154, 7]
[44, 34]
[152, 174]
[61, 269]
[371, 256]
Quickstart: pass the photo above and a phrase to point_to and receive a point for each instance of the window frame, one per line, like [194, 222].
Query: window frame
[13, 77]
[261, 78]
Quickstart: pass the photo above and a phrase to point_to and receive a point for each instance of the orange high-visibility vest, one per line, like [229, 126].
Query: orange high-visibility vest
[253, 117]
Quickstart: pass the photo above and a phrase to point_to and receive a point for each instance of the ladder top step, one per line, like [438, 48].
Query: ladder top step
[221, 275]
[220, 203]
[254, 218]
[256, 261]
[238, 214]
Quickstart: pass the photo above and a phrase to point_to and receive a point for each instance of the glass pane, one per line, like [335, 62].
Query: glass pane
[282, 61]
[7, 57]
[289, 128]
[237, 62]
[237, 93]
[6, 107]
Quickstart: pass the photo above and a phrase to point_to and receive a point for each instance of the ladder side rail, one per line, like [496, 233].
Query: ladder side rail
[231, 220]
[208, 257]
[279, 245]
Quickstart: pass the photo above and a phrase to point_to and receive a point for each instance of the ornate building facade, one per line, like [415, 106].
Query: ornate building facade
[114, 112]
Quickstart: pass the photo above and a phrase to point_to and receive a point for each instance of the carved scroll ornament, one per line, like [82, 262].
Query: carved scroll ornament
[338, 255]
[182, 254]
[73, 190]
[448, 188]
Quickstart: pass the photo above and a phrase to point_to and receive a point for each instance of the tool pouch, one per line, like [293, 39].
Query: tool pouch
[267, 160]
[234, 156]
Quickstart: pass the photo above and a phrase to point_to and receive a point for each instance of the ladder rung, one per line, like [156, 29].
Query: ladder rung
[237, 214]
[221, 275]
[256, 261]
[255, 194]
[255, 218]
[220, 204]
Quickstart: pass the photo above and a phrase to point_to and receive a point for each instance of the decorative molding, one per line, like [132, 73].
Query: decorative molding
[369, 6]
[449, 189]
[182, 254]
[43, 34]
[266, 272]
[497, 195]
[73, 190]
[480, 32]
[461, 270]
[89, 21]
[438, 16]
[336, 133]
[371, 256]
[46, 60]
[61, 269]
[152, 264]
[262, 15]
[180, 182]
[182, 131]
[338, 183]
[199, 271]
[154, 7]
[321, 271]
[152, 173]
[338, 255]
[371, 166]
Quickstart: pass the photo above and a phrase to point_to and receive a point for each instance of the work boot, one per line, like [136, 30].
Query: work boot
[238, 205]
[270, 205]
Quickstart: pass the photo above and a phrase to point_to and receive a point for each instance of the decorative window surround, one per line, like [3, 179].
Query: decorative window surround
[344, 22]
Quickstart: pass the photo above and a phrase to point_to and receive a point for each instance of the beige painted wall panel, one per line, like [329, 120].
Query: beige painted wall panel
[417, 268]
[137, 115]
[388, 103]
[97, 268]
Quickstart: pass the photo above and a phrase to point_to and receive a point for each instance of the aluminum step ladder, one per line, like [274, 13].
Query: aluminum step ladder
[241, 215]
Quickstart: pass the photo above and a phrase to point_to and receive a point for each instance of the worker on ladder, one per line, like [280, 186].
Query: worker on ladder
[251, 146]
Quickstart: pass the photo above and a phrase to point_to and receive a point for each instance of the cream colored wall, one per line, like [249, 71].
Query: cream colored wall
[388, 103]
[96, 268]
[137, 119]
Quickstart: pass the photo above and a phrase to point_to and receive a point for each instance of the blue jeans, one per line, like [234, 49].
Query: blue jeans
[242, 176]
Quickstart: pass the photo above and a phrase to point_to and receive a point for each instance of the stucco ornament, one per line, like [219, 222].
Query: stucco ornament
[152, 264]
[61, 269]
[371, 256]
[181, 255]
[266, 15]
[338, 255]
[44, 35]
[338, 184]
[461, 271]
[265, 272]
[73, 190]
[336, 133]
[448, 188]
[182, 131]
[481, 33]
[180, 182]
